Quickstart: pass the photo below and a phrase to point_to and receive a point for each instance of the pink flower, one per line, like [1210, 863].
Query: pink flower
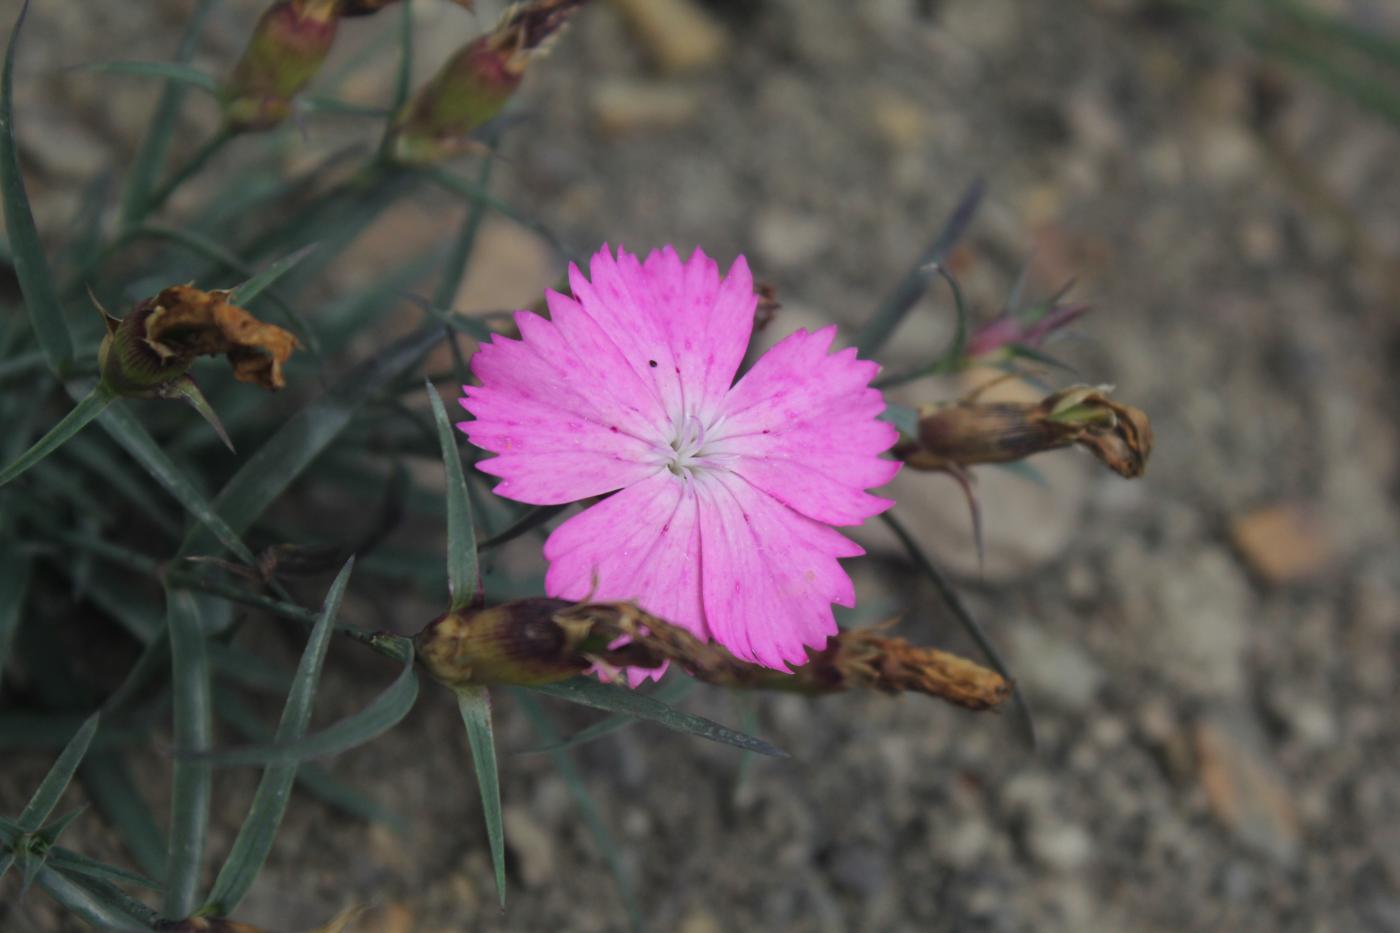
[724, 493]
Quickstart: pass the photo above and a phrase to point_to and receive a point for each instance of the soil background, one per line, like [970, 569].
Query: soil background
[1208, 651]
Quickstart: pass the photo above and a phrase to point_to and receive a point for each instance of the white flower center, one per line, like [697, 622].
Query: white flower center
[688, 452]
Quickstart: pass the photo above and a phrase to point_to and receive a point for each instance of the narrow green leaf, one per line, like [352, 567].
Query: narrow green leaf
[97, 456]
[381, 715]
[149, 160]
[190, 167]
[346, 319]
[56, 782]
[84, 905]
[51, 832]
[475, 706]
[7, 859]
[27, 252]
[461, 533]
[564, 764]
[73, 863]
[285, 455]
[190, 794]
[115, 899]
[892, 310]
[88, 408]
[166, 71]
[127, 431]
[150, 664]
[109, 785]
[251, 289]
[14, 595]
[455, 269]
[965, 618]
[311, 777]
[184, 387]
[586, 691]
[29, 730]
[255, 837]
[403, 79]
[527, 523]
[465, 189]
[672, 691]
[952, 357]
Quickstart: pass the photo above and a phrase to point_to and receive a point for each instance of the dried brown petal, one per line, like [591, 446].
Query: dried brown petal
[184, 322]
[966, 433]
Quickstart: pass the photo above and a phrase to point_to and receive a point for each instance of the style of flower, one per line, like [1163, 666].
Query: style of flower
[723, 492]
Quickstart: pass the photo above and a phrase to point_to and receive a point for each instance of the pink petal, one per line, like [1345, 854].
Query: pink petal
[560, 436]
[708, 322]
[801, 426]
[770, 575]
[640, 545]
[680, 329]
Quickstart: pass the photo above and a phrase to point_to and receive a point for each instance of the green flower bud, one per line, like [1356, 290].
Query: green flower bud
[476, 83]
[288, 45]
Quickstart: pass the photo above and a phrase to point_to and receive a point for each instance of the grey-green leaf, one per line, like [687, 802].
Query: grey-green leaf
[461, 532]
[26, 251]
[381, 715]
[47, 795]
[285, 455]
[588, 692]
[475, 706]
[563, 762]
[887, 317]
[166, 71]
[88, 408]
[255, 837]
[190, 795]
[127, 431]
[150, 158]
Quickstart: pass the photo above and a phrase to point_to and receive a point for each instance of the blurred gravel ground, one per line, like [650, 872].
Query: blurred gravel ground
[1209, 651]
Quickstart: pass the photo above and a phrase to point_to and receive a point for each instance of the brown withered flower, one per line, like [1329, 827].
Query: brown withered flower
[160, 338]
[957, 435]
[536, 641]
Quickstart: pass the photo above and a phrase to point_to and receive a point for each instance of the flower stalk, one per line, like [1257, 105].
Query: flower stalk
[538, 641]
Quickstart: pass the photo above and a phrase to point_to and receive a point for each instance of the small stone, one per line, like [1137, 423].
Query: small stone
[621, 107]
[678, 35]
[532, 845]
[1246, 793]
[965, 843]
[1192, 611]
[1261, 242]
[699, 920]
[789, 240]
[862, 870]
[1058, 846]
[1054, 668]
[902, 122]
[1283, 543]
